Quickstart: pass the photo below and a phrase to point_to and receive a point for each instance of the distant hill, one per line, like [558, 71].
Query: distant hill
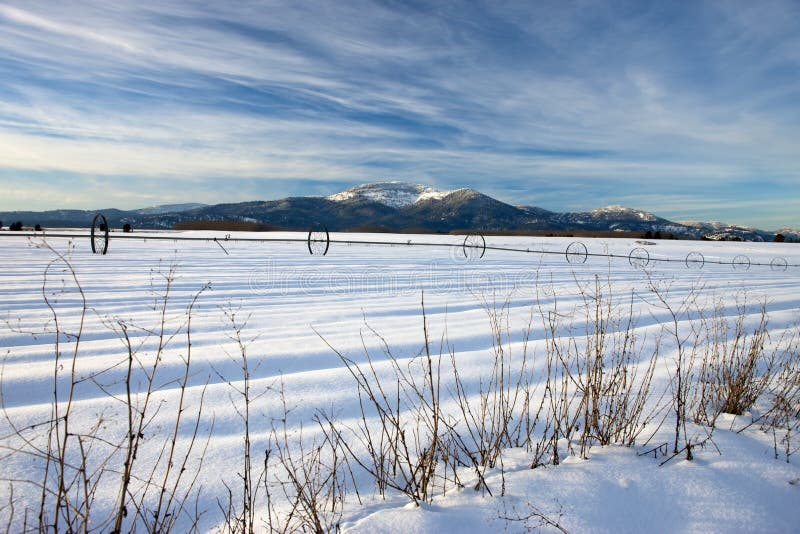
[169, 208]
[728, 232]
[399, 206]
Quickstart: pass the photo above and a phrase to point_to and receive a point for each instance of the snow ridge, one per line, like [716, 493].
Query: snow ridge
[395, 194]
[618, 211]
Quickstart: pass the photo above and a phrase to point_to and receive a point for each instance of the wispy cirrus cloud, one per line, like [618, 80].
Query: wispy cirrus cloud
[568, 107]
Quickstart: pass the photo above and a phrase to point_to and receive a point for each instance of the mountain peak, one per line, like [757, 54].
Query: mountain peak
[395, 194]
[622, 211]
[402, 206]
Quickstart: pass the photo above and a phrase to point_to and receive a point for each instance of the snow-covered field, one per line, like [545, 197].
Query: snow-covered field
[290, 310]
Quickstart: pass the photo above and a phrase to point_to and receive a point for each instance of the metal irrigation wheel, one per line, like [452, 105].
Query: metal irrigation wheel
[319, 240]
[779, 264]
[695, 260]
[576, 252]
[99, 237]
[639, 258]
[474, 246]
[741, 263]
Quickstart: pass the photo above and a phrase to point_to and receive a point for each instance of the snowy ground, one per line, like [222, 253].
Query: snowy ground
[291, 306]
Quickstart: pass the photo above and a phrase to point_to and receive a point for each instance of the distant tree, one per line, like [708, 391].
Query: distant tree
[38, 228]
[1, 225]
[657, 235]
[780, 238]
[648, 234]
[127, 228]
[16, 227]
[102, 227]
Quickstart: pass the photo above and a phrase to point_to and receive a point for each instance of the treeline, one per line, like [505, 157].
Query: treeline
[17, 226]
[228, 226]
[251, 226]
[572, 233]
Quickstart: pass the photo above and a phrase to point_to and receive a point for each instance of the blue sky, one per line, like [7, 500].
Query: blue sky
[687, 109]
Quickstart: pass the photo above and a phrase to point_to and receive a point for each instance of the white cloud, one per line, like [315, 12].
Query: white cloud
[355, 90]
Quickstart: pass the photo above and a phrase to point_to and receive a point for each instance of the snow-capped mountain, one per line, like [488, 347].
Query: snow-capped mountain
[394, 194]
[791, 235]
[610, 215]
[623, 213]
[719, 231]
[398, 207]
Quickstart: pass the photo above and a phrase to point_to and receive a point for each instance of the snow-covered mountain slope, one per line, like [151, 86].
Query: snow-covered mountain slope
[395, 194]
[616, 218]
[790, 234]
[720, 231]
[401, 206]
[623, 213]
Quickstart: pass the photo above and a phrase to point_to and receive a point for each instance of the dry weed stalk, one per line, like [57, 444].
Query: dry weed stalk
[500, 415]
[309, 478]
[688, 346]
[241, 519]
[75, 458]
[596, 383]
[592, 387]
[737, 366]
[783, 398]
[406, 446]
[614, 389]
